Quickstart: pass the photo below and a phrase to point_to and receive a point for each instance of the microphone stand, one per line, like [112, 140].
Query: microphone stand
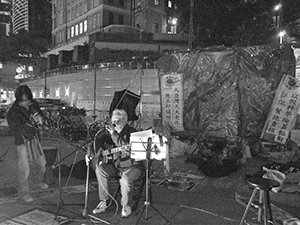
[85, 211]
[58, 164]
[60, 202]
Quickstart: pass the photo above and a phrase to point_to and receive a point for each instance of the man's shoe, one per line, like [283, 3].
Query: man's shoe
[43, 185]
[126, 211]
[27, 198]
[101, 207]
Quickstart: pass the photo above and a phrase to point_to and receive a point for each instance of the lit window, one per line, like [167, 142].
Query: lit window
[85, 26]
[80, 28]
[72, 31]
[156, 2]
[76, 29]
[170, 4]
[1, 66]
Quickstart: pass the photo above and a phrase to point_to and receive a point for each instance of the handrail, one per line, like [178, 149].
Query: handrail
[115, 65]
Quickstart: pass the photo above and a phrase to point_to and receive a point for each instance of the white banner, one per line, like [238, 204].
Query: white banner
[297, 57]
[172, 101]
[284, 109]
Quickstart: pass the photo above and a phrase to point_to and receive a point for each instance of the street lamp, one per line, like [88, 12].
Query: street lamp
[278, 10]
[278, 7]
[281, 34]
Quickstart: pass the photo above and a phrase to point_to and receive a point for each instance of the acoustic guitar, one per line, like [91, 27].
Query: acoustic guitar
[103, 156]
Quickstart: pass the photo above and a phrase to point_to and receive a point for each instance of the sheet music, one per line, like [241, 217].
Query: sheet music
[142, 134]
[138, 145]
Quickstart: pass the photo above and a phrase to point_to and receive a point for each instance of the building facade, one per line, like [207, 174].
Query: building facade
[73, 21]
[5, 17]
[32, 15]
[20, 15]
[156, 16]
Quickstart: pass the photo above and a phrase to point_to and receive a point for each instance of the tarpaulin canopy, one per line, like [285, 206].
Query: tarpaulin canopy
[227, 92]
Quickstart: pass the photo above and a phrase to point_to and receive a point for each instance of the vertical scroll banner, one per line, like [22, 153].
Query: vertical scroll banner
[285, 106]
[171, 87]
[297, 56]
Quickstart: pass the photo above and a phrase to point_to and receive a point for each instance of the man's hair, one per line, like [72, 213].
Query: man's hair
[119, 114]
[23, 90]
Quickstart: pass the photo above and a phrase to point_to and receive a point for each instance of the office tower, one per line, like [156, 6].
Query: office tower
[5, 17]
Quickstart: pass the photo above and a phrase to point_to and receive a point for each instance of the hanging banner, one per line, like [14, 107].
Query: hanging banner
[297, 57]
[171, 87]
[285, 106]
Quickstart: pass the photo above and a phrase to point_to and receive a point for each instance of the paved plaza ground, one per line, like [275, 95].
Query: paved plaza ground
[211, 201]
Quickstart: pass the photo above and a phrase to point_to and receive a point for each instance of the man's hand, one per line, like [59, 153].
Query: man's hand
[110, 128]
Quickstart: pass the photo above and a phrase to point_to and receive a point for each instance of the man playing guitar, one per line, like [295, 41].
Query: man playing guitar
[120, 164]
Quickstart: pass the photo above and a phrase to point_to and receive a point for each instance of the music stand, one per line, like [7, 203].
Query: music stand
[148, 200]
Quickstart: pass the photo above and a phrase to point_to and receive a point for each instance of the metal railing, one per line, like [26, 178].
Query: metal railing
[121, 65]
[117, 65]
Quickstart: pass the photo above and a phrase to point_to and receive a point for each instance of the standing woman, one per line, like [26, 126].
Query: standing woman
[23, 118]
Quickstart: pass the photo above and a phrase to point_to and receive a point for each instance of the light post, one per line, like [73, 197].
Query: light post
[278, 11]
[281, 34]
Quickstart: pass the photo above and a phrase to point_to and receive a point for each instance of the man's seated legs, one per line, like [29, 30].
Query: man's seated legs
[126, 181]
[103, 174]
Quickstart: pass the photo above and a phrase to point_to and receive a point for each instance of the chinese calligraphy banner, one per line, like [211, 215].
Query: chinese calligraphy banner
[283, 112]
[297, 56]
[171, 86]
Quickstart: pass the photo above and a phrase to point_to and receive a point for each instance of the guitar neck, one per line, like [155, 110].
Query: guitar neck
[114, 150]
